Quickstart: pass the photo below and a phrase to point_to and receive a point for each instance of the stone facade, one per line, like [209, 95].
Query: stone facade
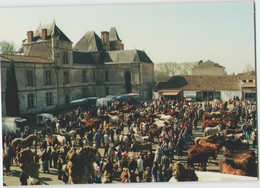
[51, 73]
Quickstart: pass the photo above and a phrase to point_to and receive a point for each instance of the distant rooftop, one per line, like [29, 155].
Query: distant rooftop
[207, 64]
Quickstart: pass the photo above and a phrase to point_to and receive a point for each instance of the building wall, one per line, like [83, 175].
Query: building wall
[42, 49]
[209, 71]
[226, 95]
[147, 80]
[76, 88]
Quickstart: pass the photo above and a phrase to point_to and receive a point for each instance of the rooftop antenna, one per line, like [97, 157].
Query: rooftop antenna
[54, 21]
[40, 23]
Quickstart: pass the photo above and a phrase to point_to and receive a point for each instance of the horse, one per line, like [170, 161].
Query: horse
[24, 142]
[138, 138]
[70, 134]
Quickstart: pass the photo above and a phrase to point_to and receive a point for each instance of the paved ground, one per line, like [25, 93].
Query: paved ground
[52, 177]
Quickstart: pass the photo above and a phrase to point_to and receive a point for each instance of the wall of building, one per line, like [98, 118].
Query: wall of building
[147, 80]
[208, 71]
[226, 95]
[76, 88]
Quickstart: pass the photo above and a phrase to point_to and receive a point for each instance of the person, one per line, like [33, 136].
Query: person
[124, 176]
[180, 146]
[140, 168]
[147, 175]
[98, 155]
[108, 167]
[55, 156]
[97, 138]
[254, 138]
[23, 178]
[165, 162]
[97, 172]
[154, 171]
[158, 155]
[45, 161]
[50, 156]
[132, 165]
[43, 133]
[159, 174]
[132, 177]
[119, 157]
[248, 130]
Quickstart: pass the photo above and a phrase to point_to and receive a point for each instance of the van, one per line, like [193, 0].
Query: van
[15, 124]
[40, 118]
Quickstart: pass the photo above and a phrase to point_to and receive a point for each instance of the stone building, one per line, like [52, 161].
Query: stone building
[208, 68]
[52, 72]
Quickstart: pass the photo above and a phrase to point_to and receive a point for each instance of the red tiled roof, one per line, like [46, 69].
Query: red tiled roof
[202, 82]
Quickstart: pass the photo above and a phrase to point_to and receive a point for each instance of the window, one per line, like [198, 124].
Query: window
[30, 100]
[107, 91]
[66, 77]
[65, 58]
[29, 78]
[49, 99]
[250, 80]
[84, 76]
[106, 76]
[244, 81]
[47, 77]
[94, 76]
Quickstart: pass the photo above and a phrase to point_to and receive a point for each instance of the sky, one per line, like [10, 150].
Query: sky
[222, 32]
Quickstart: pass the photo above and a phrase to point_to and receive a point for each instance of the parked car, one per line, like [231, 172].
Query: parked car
[40, 118]
[16, 124]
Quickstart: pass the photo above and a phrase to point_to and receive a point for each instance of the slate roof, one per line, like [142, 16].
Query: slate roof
[202, 83]
[208, 64]
[82, 58]
[20, 58]
[90, 42]
[52, 30]
[113, 36]
[126, 56]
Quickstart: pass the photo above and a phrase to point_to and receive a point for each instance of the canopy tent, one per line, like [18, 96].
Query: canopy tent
[132, 95]
[171, 93]
[83, 100]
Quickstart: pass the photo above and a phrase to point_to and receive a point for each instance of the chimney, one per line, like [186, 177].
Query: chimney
[44, 34]
[122, 46]
[29, 36]
[105, 40]
[200, 62]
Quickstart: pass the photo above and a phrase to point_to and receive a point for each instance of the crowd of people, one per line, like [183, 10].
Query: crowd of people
[117, 156]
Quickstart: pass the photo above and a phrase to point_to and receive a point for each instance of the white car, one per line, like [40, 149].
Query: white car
[41, 117]
[13, 124]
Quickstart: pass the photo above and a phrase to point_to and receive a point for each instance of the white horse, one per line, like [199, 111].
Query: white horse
[70, 134]
[61, 139]
[166, 117]
[210, 131]
[139, 138]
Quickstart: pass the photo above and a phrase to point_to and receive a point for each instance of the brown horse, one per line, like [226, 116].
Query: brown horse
[24, 142]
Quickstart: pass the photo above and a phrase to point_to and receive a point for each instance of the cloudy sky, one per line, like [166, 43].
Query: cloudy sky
[222, 32]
